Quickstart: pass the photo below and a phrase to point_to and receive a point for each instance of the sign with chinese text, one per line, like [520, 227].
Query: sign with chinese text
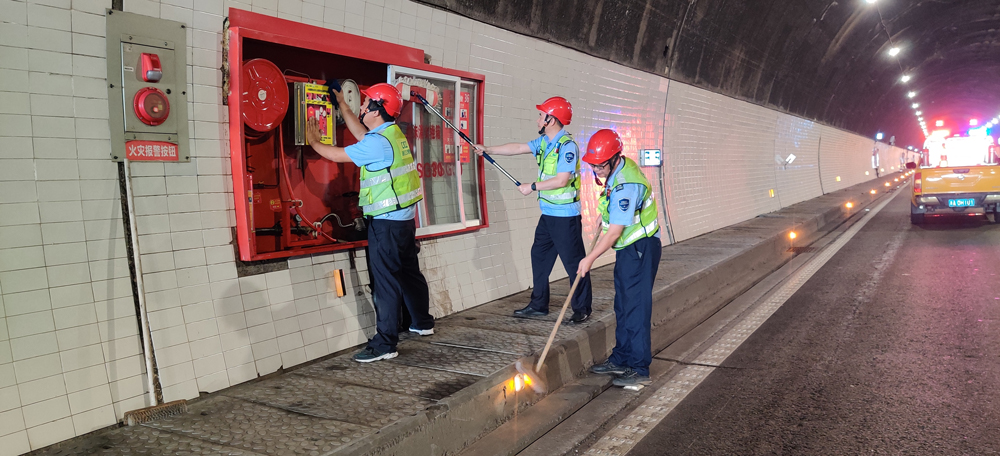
[463, 123]
[150, 151]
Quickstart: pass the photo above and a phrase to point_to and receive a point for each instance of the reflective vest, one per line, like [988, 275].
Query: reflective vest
[395, 187]
[644, 223]
[547, 166]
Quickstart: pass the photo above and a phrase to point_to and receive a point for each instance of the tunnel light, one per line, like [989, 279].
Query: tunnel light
[870, 2]
[915, 105]
[920, 113]
[939, 123]
[973, 122]
[905, 78]
[879, 136]
[873, 191]
[911, 94]
[792, 235]
[849, 205]
[894, 51]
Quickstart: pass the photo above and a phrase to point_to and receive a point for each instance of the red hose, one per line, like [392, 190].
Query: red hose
[291, 195]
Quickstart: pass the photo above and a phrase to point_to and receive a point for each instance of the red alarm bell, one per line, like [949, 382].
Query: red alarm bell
[152, 71]
[151, 106]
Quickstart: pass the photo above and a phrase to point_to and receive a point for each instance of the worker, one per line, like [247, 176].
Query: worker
[390, 188]
[559, 229]
[630, 226]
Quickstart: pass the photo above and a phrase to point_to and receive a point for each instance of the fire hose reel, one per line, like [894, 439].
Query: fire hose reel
[264, 95]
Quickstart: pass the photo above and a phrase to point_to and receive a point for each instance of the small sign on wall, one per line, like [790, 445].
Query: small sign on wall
[650, 157]
[150, 151]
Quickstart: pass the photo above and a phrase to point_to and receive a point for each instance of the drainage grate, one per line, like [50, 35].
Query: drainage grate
[802, 249]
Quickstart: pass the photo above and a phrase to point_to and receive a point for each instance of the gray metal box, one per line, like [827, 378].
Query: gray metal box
[128, 37]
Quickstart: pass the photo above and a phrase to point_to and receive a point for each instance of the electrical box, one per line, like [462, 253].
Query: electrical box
[147, 88]
[650, 157]
[312, 101]
[290, 200]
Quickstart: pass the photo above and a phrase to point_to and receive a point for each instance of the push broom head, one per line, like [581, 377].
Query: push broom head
[527, 377]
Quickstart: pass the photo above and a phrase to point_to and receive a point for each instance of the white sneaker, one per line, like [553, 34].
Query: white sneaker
[422, 332]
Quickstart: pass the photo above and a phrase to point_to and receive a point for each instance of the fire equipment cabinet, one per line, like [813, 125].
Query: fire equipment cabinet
[289, 200]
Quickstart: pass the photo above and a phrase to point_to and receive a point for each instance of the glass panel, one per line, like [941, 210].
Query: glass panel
[433, 151]
[468, 112]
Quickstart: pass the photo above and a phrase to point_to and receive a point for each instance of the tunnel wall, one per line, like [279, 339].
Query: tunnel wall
[723, 158]
[70, 356]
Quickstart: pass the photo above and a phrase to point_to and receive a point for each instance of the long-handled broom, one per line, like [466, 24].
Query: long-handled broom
[464, 136]
[536, 383]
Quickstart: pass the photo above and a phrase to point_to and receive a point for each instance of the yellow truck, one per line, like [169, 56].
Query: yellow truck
[958, 175]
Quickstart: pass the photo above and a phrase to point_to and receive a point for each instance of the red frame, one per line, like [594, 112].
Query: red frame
[245, 24]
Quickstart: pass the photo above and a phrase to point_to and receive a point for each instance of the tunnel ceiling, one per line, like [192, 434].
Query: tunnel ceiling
[826, 60]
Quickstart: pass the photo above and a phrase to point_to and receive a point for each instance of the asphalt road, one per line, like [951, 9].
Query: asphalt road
[893, 347]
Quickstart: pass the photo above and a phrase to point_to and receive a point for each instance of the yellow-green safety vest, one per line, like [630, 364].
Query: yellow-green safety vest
[547, 166]
[644, 223]
[395, 187]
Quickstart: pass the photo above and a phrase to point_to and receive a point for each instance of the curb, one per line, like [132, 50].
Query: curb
[489, 418]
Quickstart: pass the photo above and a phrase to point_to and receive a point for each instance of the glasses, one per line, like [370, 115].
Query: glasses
[601, 166]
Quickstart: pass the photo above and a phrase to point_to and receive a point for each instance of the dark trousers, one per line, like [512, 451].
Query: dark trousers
[398, 281]
[560, 236]
[635, 270]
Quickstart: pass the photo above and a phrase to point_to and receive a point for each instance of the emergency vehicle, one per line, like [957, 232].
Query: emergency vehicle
[956, 175]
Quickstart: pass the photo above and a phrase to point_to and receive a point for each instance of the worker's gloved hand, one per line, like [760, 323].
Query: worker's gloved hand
[336, 93]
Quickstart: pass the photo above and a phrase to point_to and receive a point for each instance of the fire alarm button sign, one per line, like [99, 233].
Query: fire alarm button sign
[150, 151]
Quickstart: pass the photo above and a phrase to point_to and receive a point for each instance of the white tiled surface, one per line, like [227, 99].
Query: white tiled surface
[70, 357]
[719, 161]
[67, 320]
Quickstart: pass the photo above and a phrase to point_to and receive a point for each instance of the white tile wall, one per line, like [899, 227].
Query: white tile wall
[718, 160]
[70, 358]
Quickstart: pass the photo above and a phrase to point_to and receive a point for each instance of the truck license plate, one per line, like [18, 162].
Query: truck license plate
[965, 202]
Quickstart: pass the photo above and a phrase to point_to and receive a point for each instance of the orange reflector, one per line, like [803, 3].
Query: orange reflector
[338, 281]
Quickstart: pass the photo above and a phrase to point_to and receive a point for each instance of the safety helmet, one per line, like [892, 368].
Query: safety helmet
[602, 146]
[387, 96]
[559, 108]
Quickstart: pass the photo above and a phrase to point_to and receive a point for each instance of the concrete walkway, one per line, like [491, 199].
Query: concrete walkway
[444, 392]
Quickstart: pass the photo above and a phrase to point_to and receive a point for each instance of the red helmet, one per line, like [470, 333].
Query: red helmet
[391, 100]
[559, 108]
[602, 146]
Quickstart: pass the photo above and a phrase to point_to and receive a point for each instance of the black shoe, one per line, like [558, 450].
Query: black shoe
[579, 317]
[608, 367]
[529, 312]
[370, 354]
[631, 378]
